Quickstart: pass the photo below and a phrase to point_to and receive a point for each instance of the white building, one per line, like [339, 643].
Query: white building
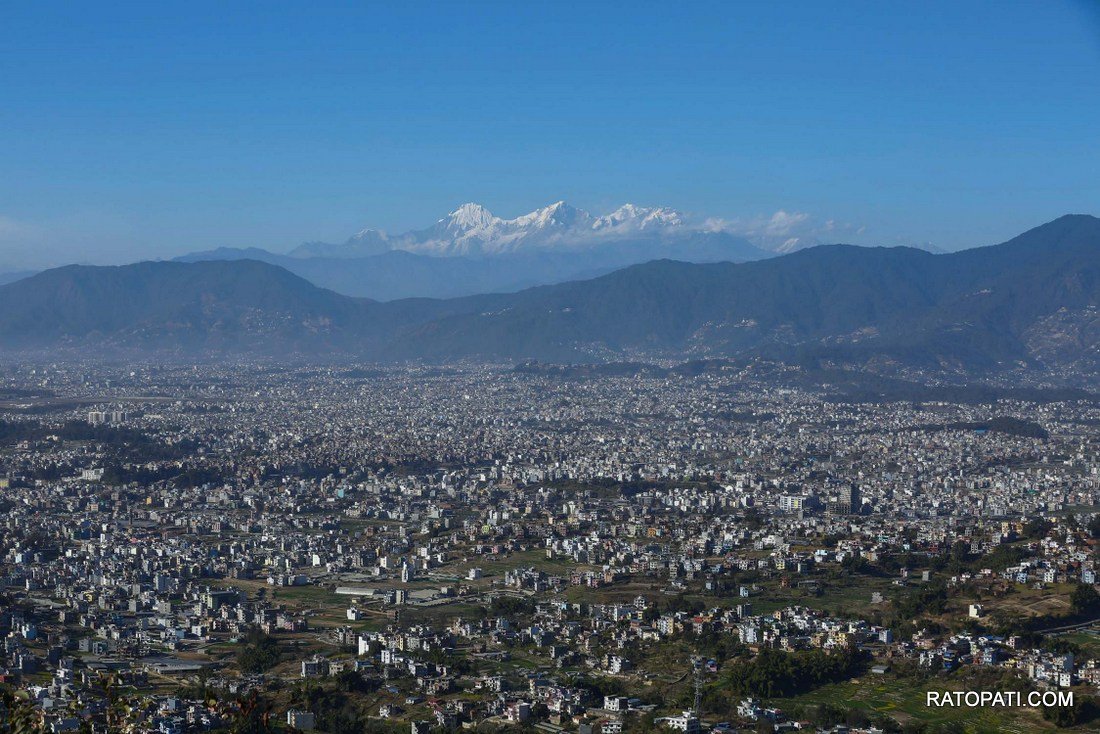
[686, 722]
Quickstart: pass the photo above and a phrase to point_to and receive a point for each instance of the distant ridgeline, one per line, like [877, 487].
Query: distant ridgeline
[1030, 304]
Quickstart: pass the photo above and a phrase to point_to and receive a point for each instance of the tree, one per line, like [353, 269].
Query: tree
[259, 654]
[1037, 528]
[510, 606]
[251, 717]
[928, 599]
[1083, 710]
[777, 674]
[19, 716]
[1084, 599]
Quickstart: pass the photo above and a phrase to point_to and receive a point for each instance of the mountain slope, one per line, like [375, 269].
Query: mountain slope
[236, 306]
[694, 309]
[1032, 301]
[394, 274]
[472, 251]
[14, 275]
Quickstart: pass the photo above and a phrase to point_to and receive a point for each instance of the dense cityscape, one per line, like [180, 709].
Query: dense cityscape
[614, 367]
[252, 547]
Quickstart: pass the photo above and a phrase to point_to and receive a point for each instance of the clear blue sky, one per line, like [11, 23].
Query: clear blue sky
[152, 129]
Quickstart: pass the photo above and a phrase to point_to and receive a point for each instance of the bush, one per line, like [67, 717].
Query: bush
[777, 674]
[259, 654]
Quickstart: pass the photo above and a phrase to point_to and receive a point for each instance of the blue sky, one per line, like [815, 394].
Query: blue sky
[153, 129]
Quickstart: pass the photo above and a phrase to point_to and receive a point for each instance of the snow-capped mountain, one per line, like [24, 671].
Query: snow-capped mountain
[472, 230]
[471, 250]
[635, 218]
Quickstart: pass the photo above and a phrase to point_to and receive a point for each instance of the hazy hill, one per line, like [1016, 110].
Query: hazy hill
[233, 306]
[472, 251]
[1033, 300]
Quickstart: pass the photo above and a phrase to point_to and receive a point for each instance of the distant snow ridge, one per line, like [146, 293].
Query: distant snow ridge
[471, 229]
[629, 216]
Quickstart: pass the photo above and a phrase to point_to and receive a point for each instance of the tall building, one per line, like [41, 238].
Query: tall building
[846, 502]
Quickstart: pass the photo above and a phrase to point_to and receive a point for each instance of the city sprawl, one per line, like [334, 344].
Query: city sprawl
[200, 548]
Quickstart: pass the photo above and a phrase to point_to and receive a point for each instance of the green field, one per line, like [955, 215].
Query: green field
[905, 700]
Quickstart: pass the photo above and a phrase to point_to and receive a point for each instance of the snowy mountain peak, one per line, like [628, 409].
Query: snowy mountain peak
[627, 211]
[469, 216]
[664, 217]
[630, 216]
[369, 235]
[471, 229]
[558, 214]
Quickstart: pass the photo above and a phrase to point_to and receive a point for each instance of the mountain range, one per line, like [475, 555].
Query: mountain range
[472, 251]
[472, 230]
[1032, 302]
